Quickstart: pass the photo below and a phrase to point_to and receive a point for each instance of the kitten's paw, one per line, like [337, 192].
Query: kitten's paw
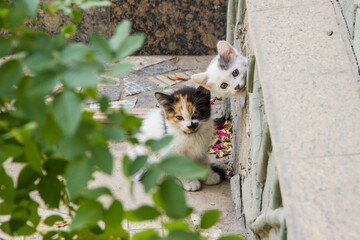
[212, 179]
[191, 185]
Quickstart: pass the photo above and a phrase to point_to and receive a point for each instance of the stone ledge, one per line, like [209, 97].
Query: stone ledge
[312, 104]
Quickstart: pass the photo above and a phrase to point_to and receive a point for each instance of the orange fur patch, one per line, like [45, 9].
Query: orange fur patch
[178, 108]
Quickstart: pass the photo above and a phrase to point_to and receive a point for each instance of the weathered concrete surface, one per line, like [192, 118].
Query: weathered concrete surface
[312, 104]
[357, 35]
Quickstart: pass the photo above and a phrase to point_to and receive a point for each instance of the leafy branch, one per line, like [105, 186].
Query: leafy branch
[43, 128]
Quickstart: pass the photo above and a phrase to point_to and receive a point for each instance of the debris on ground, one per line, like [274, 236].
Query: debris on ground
[221, 144]
[178, 77]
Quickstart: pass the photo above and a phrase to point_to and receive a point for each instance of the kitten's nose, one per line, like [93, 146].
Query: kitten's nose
[193, 126]
[238, 87]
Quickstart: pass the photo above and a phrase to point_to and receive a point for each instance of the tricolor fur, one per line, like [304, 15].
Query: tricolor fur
[185, 114]
[226, 73]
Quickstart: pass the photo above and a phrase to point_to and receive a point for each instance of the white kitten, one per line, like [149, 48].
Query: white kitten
[226, 73]
[185, 114]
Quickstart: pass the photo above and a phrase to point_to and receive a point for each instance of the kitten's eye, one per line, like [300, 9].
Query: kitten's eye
[224, 85]
[235, 73]
[179, 118]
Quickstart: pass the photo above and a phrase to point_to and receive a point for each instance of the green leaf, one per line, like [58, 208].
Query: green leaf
[121, 33]
[5, 46]
[101, 47]
[104, 103]
[55, 166]
[114, 215]
[145, 235]
[96, 192]
[102, 158]
[76, 180]
[143, 213]
[73, 53]
[32, 206]
[121, 68]
[126, 165]
[69, 29]
[80, 77]
[73, 148]
[51, 220]
[90, 4]
[158, 144]
[232, 237]
[17, 14]
[151, 178]
[173, 198]
[43, 83]
[6, 208]
[67, 111]
[156, 196]
[131, 44]
[89, 213]
[59, 41]
[131, 122]
[176, 225]
[77, 15]
[113, 133]
[40, 61]
[10, 150]
[90, 92]
[137, 164]
[32, 6]
[24, 230]
[27, 177]
[10, 74]
[6, 186]
[210, 218]
[49, 189]
[50, 130]
[183, 166]
[32, 154]
[183, 234]
[25, 106]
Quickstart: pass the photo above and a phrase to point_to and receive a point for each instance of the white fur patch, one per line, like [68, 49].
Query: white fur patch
[213, 178]
[194, 145]
[215, 75]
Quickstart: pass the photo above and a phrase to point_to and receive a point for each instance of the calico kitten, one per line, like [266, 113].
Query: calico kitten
[226, 73]
[185, 114]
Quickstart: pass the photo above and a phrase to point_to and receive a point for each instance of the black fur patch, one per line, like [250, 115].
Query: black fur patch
[219, 170]
[200, 98]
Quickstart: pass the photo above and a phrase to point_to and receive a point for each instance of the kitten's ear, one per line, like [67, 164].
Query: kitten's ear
[225, 49]
[201, 91]
[200, 78]
[163, 99]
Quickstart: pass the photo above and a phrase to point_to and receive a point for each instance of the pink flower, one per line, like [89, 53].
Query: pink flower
[218, 146]
[220, 126]
[222, 134]
[212, 103]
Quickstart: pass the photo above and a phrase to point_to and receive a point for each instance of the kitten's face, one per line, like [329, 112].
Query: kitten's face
[187, 108]
[226, 74]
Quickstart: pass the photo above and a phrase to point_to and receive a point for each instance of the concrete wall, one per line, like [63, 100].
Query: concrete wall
[260, 205]
[351, 13]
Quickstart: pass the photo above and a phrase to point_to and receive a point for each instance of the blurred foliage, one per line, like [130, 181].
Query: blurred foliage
[43, 83]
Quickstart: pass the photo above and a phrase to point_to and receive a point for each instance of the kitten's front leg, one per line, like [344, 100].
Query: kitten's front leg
[190, 185]
[213, 178]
